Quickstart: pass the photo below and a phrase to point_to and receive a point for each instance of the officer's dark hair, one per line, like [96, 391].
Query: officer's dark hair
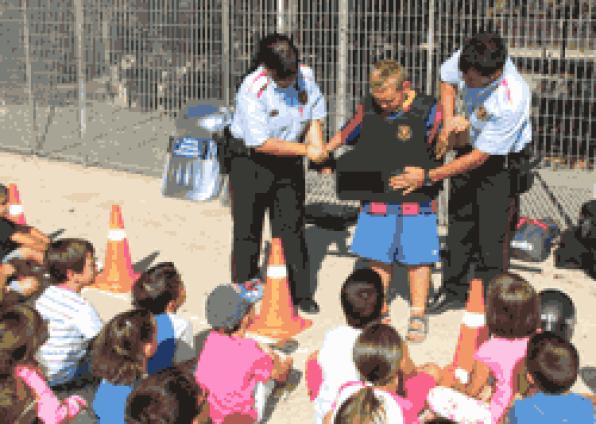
[485, 52]
[512, 307]
[279, 54]
[362, 297]
[553, 362]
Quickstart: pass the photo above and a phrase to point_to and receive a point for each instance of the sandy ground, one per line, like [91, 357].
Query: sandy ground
[197, 237]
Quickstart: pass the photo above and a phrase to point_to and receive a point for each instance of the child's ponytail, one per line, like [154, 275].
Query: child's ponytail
[360, 408]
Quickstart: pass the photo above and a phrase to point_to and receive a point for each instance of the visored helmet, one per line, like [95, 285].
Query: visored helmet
[557, 313]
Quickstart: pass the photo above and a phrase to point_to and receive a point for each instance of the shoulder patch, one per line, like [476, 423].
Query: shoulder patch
[307, 72]
[259, 84]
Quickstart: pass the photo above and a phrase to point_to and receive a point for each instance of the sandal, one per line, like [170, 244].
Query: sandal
[417, 329]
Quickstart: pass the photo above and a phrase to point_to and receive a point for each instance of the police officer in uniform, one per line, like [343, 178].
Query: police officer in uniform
[491, 137]
[278, 118]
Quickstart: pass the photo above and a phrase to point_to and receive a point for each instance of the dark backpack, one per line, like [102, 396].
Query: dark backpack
[571, 253]
[533, 238]
[587, 224]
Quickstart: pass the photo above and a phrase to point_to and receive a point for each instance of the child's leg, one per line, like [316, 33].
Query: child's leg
[263, 392]
[419, 279]
[456, 406]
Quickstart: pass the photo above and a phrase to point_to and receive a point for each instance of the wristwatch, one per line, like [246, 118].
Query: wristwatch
[427, 181]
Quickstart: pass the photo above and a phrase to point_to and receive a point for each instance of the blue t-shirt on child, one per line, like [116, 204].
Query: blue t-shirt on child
[110, 402]
[550, 409]
[166, 345]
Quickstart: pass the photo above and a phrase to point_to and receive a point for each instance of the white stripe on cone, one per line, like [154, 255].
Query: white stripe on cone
[277, 271]
[15, 209]
[462, 375]
[473, 319]
[116, 235]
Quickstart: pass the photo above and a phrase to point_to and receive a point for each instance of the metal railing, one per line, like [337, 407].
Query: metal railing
[100, 81]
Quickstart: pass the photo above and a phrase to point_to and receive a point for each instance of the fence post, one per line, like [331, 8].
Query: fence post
[281, 16]
[79, 22]
[29, 78]
[225, 26]
[341, 92]
[430, 46]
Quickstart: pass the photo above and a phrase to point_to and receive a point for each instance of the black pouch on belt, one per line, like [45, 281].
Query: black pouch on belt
[228, 147]
[521, 171]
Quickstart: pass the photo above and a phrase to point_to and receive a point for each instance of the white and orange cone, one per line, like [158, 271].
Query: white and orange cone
[118, 275]
[472, 333]
[277, 319]
[15, 208]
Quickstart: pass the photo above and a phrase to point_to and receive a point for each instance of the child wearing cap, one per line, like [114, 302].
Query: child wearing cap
[236, 371]
[161, 291]
[552, 364]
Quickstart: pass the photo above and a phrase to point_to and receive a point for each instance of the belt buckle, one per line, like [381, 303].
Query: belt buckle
[410, 209]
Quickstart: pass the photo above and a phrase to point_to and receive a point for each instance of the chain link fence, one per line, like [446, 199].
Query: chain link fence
[100, 81]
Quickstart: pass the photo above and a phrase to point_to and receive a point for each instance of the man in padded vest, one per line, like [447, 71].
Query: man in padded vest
[394, 126]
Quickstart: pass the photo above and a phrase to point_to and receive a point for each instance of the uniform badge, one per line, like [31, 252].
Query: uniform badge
[404, 132]
[274, 113]
[481, 113]
[302, 97]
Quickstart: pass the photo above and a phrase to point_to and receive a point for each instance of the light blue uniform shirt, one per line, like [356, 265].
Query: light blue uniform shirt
[264, 110]
[503, 125]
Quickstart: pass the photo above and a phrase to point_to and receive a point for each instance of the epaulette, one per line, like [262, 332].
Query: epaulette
[307, 72]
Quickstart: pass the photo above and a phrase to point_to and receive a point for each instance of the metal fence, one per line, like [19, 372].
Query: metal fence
[100, 81]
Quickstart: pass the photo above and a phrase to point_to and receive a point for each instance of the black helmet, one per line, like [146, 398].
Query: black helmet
[557, 313]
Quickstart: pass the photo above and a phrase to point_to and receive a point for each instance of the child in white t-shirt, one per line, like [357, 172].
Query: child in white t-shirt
[73, 322]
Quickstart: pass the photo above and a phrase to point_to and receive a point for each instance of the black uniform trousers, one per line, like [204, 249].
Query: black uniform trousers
[482, 213]
[259, 182]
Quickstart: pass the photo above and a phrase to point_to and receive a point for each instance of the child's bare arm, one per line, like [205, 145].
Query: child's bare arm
[407, 366]
[281, 366]
[25, 239]
[42, 237]
[478, 379]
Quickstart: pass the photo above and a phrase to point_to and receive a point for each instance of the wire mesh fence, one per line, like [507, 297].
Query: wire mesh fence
[101, 81]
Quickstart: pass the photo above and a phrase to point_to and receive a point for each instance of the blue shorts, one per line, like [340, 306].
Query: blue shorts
[393, 237]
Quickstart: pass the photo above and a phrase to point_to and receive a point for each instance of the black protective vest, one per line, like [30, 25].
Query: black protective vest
[383, 149]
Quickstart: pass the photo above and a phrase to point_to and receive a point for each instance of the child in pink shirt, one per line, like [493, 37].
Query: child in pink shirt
[512, 316]
[379, 355]
[24, 392]
[231, 367]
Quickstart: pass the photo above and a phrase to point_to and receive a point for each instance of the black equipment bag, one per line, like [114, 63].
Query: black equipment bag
[571, 253]
[533, 238]
[587, 224]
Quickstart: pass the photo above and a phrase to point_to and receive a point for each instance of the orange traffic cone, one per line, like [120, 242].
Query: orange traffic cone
[15, 209]
[472, 332]
[277, 318]
[117, 275]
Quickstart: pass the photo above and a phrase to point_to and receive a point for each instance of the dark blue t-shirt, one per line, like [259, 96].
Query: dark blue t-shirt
[550, 409]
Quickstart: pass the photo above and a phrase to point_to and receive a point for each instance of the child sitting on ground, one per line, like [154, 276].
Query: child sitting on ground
[512, 316]
[552, 364]
[373, 397]
[238, 373]
[73, 322]
[170, 396]
[24, 393]
[19, 241]
[119, 357]
[362, 299]
[161, 291]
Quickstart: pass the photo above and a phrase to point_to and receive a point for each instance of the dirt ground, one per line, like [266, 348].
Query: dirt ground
[76, 201]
